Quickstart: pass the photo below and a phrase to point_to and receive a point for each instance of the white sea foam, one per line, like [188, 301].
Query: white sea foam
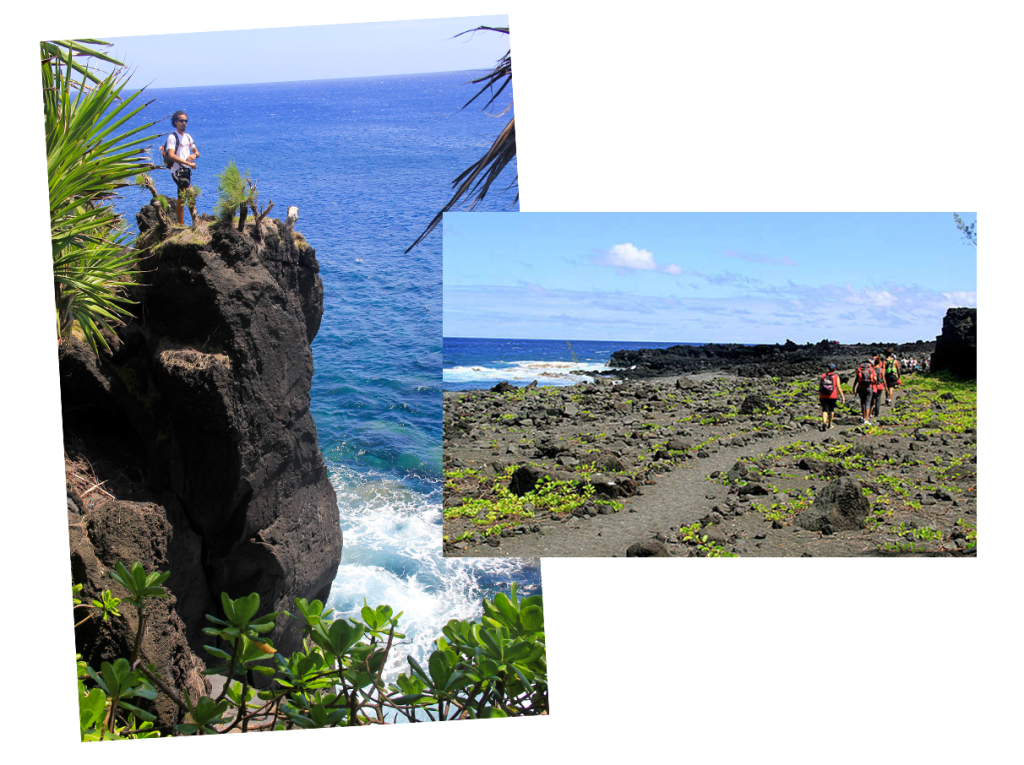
[392, 554]
[545, 372]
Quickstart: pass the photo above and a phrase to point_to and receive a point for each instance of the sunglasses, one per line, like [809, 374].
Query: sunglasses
[181, 120]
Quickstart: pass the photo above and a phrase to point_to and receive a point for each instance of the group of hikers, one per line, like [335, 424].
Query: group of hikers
[911, 364]
[876, 377]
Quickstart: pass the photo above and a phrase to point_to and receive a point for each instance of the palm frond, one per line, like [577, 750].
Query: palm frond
[91, 153]
[478, 177]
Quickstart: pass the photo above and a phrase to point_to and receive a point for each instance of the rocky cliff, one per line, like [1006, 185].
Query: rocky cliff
[198, 420]
[956, 349]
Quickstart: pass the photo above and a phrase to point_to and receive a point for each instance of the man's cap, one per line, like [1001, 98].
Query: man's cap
[831, 367]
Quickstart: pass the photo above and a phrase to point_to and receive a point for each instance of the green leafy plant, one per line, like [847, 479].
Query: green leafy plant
[90, 155]
[494, 667]
[970, 532]
[705, 546]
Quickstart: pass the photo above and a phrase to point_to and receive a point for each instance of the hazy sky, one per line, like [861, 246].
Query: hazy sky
[311, 52]
[705, 277]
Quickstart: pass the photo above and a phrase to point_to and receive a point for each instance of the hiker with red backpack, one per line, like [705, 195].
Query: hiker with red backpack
[829, 391]
[880, 387]
[864, 380]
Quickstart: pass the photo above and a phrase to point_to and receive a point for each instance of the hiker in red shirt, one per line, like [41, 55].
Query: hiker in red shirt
[880, 388]
[863, 385]
[829, 391]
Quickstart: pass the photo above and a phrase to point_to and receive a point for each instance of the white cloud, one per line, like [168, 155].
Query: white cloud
[627, 256]
[966, 299]
[877, 298]
[880, 298]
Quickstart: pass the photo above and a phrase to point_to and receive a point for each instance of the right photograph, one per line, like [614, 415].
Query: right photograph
[710, 384]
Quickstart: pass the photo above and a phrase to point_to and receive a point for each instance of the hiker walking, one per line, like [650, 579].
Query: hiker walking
[893, 375]
[880, 388]
[829, 391]
[863, 386]
[181, 151]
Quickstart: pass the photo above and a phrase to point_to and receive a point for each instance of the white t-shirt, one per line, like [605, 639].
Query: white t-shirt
[185, 146]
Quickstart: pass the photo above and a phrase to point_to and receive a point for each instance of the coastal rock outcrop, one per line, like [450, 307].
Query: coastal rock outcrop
[785, 360]
[956, 349]
[201, 408]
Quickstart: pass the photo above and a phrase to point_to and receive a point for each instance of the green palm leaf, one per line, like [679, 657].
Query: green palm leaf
[475, 181]
[90, 155]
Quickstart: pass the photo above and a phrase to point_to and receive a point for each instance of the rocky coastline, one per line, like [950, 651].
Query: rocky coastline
[196, 429]
[712, 451]
[785, 360]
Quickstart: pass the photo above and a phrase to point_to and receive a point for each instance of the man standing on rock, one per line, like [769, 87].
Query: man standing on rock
[182, 149]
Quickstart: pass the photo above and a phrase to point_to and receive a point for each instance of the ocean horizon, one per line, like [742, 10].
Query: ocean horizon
[472, 363]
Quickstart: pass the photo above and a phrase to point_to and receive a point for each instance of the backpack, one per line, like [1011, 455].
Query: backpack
[879, 377]
[168, 162]
[827, 385]
[866, 374]
[890, 366]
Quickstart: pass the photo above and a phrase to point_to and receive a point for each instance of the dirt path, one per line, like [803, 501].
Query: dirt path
[680, 497]
[664, 455]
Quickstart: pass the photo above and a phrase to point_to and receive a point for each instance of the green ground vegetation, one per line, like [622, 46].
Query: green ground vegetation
[499, 508]
[931, 407]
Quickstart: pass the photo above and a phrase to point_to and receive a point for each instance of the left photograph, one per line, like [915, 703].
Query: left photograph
[247, 280]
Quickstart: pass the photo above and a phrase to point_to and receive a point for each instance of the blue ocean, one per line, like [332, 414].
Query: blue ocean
[472, 363]
[368, 162]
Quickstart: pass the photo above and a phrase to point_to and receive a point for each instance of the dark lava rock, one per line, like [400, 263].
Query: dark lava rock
[754, 489]
[786, 360]
[826, 469]
[753, 404]
[651, 549]
[840, 506]
[956, 349]
[503, 387]
[205, 398]
[129, 532]
[525, 478]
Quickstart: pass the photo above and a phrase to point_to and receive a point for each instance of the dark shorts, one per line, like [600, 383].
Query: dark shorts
[828, 404]
[182, 177]
[866, 397]
[891, 380]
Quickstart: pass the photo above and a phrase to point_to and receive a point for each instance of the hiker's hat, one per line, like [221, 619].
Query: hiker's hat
[831, 367]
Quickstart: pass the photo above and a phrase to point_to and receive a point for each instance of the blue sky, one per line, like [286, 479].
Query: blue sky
[310, 52]
[705, 277]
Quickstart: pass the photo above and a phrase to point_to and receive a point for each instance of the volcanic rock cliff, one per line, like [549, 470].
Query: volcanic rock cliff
[956, 349]
[198, 420]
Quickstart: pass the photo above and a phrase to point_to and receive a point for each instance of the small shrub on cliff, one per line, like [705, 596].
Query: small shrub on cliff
[232, 191]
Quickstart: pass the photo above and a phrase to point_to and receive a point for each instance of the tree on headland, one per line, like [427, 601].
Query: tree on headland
[88, 160]
[969, 230]
[476, 179]
[232, 196]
